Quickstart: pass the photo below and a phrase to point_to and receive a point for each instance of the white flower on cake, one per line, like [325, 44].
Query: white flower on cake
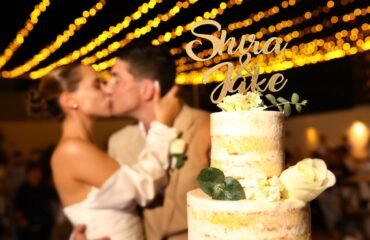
[242, 102]
[269, 189]
[306, 180]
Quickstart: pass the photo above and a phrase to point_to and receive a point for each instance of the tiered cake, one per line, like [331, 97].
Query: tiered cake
[248, 146]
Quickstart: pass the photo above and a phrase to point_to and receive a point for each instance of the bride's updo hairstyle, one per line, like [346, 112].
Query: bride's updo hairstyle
[61, 79]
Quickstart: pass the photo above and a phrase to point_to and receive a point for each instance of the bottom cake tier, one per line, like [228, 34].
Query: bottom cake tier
[246, 219]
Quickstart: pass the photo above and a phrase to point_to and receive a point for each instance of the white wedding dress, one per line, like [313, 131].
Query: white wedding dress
[110, 211]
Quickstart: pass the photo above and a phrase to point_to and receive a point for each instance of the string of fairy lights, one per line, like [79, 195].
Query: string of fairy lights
[253, 18]
[268, 31]
[343, 42]
[167, 36]
[287, 38]
[273, 28]
[181, 29]
[94, 43]
[57, 43]
[137, 33]
[24, 32]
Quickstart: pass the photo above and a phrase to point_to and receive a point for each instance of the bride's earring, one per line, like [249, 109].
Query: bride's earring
[75, 106]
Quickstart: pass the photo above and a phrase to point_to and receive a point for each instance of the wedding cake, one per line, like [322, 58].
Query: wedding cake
[247, 148]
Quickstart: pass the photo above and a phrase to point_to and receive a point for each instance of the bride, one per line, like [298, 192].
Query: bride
[95, 191]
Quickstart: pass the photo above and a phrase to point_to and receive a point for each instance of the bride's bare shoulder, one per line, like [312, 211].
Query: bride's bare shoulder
[72, 148]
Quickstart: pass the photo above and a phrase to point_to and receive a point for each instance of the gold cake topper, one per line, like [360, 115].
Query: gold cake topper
[273, 45]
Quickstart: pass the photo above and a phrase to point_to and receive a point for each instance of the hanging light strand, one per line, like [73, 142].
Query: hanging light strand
[334, 20]
[342, 43]
[104, 36]
[24, 32]
[180, 29]
[253, 18]
[44, 53]
[265, 31]
[138, 32]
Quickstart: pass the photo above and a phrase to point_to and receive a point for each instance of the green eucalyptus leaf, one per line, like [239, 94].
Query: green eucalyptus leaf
[287, 109]
[208, 178]
[219, 191]
[298, 107]
[271, 98]
[213, 182]
[233, 189]
[282, 100]
[218, 188]
[280, 108]
[304, 102]
[295, 98]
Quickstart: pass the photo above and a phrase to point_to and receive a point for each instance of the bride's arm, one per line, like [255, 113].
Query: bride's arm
[157, 148]
[124, 184]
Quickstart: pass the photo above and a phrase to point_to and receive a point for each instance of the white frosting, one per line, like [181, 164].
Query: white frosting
[286, 219]
[247, 144]
[247, 167]
[250, 123]
[199, 230]
[197, 199]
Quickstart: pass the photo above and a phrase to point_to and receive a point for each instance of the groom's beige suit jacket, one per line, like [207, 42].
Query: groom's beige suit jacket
[166, 218]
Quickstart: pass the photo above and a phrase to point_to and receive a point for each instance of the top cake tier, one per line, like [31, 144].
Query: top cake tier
[247, 144]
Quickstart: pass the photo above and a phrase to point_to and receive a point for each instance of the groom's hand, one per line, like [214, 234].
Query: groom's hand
[79, 233]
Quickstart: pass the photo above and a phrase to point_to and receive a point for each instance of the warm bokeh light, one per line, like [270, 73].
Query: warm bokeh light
[358, 137]
[346, 42]
[92, 45]
[287, 36]
[24, 32]
[312, 139]
[278, 26]
[175, 32]
[112, 47]
[56, 44]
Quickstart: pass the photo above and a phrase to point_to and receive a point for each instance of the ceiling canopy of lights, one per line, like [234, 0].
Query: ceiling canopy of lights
[54, 33]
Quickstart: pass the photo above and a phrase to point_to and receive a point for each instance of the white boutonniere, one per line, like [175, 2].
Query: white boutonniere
[177, 152]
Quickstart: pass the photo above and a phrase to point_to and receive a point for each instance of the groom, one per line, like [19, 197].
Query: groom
[132, 88]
